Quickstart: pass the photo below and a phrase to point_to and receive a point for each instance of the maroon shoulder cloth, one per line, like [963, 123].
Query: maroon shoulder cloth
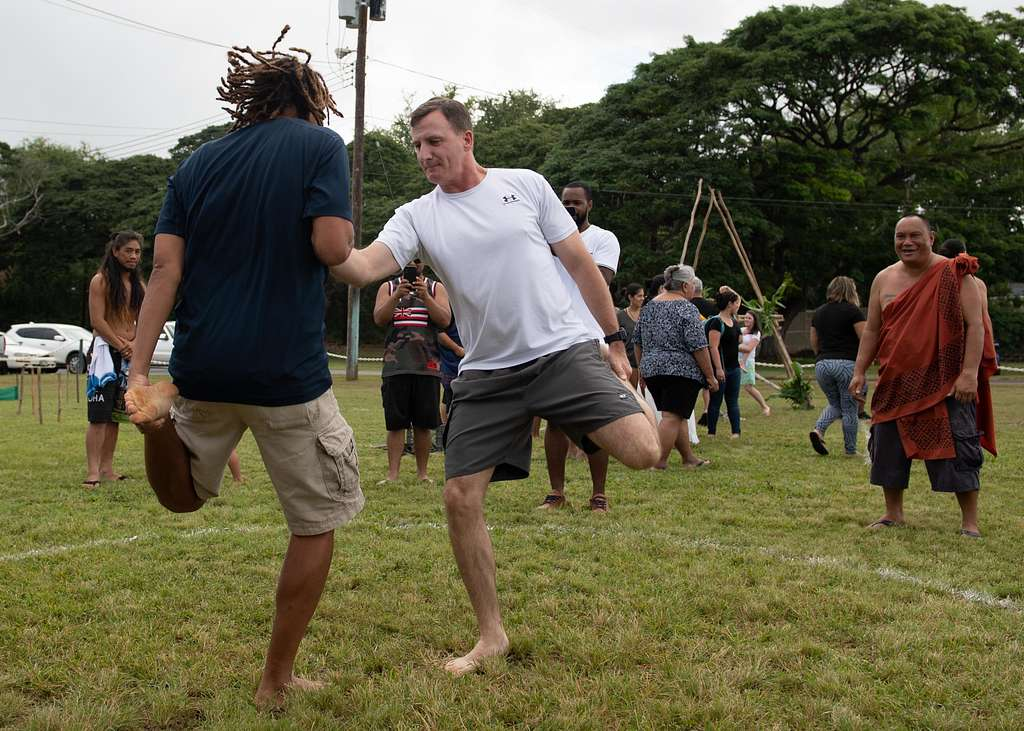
[920, 354]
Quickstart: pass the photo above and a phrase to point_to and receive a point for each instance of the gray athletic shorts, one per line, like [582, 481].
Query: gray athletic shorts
[890, 466]
[492, 411]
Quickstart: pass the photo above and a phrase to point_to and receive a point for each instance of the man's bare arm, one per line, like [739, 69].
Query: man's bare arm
[868, 348]
[438, 309]
[366, 266]
[581, 267]
[384, 305]
[332, 239]
[168, 263]
[966, 386]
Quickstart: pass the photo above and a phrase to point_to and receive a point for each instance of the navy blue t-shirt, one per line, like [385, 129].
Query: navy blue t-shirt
[250, 318]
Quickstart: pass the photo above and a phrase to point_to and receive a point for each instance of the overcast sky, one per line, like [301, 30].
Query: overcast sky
[74, 75]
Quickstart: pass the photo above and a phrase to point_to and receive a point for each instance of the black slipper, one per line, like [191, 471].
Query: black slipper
[818, 443]
[885, 523]
[90, 483]
[970, 533]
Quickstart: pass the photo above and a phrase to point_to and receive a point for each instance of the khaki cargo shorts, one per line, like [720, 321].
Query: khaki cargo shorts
[308, 449]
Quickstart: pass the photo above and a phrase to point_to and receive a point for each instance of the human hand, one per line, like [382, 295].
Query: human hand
[965, 389]
[404, 289]
[720, 374]
[422, 290]
[126, 349]
[856, 388]
[712, 384]
[618, 361]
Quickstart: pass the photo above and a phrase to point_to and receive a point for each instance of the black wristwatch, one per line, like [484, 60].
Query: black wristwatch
[617, 336]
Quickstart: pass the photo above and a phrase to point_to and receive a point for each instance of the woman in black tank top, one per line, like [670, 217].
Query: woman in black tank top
[724, 337]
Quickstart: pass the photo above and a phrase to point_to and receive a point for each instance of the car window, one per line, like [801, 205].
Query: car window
[43, 333]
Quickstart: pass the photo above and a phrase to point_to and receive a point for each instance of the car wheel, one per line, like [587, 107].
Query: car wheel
[76, 363]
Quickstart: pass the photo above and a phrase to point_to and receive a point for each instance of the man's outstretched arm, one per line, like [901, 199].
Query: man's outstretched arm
[868, 341]
[366, 266]
[168, 262]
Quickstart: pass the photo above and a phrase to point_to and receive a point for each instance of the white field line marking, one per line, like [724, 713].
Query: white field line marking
[969, 595]
[69, 547]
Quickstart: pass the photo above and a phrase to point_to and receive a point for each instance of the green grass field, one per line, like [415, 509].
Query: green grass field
[746, 595]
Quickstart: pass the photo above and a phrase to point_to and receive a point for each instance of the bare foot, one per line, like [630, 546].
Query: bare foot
[150, 405]
[766, 411]
[695, 463]
[480, 652]
[660, 466]
[270, 696]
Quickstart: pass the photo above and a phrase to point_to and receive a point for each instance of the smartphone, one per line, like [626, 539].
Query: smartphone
[410, 273]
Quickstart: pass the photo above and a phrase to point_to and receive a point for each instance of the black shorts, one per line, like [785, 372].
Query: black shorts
[100, 407]
[674, 394]
[492, 415]
[890, 466]
[411, 400]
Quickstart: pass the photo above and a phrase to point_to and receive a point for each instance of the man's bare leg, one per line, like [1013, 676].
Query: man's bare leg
[423, 440]
[598, 463]
[110, 432]
[396, 445]
[633, 440]
[168, 465]
[968, 510]
[556, 451]
[302, 580]
[94, 437]
[471, 544]
[893, 508]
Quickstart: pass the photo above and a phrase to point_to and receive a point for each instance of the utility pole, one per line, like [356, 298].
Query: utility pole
[357, 13]
[352, 344]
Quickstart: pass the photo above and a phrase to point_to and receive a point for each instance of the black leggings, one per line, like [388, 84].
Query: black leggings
[730, 392]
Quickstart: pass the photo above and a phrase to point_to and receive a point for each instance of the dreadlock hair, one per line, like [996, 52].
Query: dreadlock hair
[261, 84]
[111, 269]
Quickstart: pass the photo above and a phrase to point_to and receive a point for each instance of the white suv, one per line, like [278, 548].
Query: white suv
[15, 357]
[66, 344]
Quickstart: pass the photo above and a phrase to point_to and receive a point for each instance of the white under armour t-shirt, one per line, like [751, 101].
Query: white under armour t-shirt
[604, 248]
[490, 246]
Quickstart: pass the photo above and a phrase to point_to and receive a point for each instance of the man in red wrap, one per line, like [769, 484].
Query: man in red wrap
[935, 355]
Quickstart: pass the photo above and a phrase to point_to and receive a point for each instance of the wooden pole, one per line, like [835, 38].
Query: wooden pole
[32, 388]
[21, 390]
[734, 235]
[704, 228]
[39, 388]
[693, 219]
[58, 396]
[352, 334]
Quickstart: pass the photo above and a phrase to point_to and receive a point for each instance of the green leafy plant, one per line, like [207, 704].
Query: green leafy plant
[796, 390]
[767, 313]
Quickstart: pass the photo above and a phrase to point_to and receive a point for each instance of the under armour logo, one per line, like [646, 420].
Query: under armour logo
[510, 198]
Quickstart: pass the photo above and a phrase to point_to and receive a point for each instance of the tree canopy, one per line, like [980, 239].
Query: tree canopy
[821, 126]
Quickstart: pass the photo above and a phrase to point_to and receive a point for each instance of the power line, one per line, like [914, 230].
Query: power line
[75, 124]
[122, 20]
[47, 133]
[796, 203]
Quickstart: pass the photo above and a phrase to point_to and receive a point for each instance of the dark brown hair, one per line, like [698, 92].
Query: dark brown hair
[111, 269]
[454, 111]
[267, 82]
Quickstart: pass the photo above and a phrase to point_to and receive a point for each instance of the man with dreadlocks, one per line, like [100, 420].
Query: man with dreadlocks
[249, 225]
[115, 296]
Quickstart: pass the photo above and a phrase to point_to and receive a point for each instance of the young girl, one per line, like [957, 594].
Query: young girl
[748, 349]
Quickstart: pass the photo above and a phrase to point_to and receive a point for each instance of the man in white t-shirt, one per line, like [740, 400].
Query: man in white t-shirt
[603, 247]
[489, 235]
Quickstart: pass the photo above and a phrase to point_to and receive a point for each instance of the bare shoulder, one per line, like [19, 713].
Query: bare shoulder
[98, 282]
